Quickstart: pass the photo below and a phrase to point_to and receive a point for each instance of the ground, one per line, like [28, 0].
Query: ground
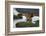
[27, 24]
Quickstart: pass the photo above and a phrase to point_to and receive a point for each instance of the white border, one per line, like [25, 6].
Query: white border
[25, 29]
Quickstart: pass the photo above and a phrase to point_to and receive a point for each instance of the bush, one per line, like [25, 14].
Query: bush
[17, 17]
[37, 23]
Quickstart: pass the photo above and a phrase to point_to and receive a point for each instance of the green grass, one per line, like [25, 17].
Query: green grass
[27, 24]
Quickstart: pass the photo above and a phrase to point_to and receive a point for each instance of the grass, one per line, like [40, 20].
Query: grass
[27, 24]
